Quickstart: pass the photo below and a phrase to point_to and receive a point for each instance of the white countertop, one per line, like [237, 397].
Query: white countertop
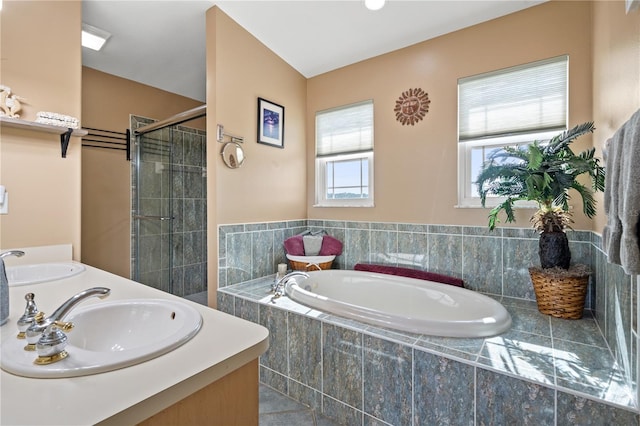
[132, 394]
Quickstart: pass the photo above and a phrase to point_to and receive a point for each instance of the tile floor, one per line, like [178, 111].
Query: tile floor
[277, 409]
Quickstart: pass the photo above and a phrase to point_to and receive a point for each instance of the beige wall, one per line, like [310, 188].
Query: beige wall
[416, 166]
[616, 73]
[271, 184]
[41, 61]
[107, 102]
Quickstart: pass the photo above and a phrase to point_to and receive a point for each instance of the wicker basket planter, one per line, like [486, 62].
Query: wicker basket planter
[561, 293]
[310, 263]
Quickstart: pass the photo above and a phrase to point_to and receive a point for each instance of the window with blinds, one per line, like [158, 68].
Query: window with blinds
[344, 156]
[508, 107]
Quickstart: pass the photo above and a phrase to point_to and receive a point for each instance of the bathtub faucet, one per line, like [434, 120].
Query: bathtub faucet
[278, 287]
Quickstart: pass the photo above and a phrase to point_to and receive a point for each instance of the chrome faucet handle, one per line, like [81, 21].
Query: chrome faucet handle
[41, 324]
[52, 343]
[30, 312]
[34, 331]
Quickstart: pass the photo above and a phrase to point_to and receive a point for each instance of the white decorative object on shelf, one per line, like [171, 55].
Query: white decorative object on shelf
[10, 103]
[55, 119]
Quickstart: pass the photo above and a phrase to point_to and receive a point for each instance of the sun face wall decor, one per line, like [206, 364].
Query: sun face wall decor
[412, 106]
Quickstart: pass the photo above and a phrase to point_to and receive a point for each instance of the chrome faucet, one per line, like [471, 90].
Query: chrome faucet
[4, 285]
[17, 253]
[278, 287]
[46, 335]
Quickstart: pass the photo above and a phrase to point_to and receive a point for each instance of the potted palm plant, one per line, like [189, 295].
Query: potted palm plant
[544, 172]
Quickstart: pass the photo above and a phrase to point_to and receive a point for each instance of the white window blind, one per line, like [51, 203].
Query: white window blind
[522, 99]
[345, 130]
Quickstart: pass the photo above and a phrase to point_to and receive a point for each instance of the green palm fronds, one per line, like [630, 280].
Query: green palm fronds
[542, 172]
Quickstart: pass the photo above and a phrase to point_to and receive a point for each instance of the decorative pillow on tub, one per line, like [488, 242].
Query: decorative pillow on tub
[410, 273]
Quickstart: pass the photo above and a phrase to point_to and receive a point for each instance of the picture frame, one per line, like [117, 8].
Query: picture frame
[270, 123]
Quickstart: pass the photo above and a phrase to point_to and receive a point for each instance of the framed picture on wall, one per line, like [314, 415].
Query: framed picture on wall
[270, 123]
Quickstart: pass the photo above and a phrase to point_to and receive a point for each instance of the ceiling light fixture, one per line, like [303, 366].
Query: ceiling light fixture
[374, 4]
[93, 38]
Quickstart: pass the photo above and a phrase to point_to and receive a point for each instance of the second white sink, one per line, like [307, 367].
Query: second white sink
[42, 272]
[110, 335]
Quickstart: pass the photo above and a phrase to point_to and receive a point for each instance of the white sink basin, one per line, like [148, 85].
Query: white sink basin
[42, 272]
[108, 336]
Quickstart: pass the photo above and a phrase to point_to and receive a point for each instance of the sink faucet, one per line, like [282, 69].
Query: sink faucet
[46, 335]
[278, 287]
[4, 285]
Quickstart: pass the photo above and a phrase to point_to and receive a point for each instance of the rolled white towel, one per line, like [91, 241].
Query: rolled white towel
[312, 244]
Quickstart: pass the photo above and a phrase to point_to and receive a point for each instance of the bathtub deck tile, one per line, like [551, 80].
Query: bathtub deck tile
[522, 354]
[530, 321]
[585, 365]
[444, 391]
[275, 320]
[503, 400]
[583, 331]
[467, 349]
[305, 350]
[453, 354]
[342, 352]
[342, 413]
[385, 396]
[343, 322]
[615, 392]
[576, 410]
[572, 356]
[404, 337]
[519, 304]
[284, 302]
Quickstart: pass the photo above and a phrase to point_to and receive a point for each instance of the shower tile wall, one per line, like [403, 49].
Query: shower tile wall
[190, 211]
[180, 193]
[494, 262]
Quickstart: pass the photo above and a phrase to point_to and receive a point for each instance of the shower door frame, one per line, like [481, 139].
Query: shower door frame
[165, 219]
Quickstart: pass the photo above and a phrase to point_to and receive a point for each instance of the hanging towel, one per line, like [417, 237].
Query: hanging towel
[622, 197]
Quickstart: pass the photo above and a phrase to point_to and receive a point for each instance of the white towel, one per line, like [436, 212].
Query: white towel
[622, 197]
[312, 244]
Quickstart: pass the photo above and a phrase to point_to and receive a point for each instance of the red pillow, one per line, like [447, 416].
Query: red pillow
[410, 273]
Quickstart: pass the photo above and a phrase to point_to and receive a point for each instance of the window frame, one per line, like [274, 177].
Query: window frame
[507, 138]
[465, 198]
[322, 178]
[321, 169]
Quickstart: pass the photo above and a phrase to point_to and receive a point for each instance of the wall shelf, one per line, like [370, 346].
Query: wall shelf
[65, 133]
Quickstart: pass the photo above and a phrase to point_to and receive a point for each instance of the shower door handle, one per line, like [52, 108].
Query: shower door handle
[145, 217]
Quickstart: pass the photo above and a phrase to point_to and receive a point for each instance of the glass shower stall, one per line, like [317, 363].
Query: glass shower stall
[169, 204]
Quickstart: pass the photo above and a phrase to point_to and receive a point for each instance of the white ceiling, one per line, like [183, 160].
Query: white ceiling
[162, 43]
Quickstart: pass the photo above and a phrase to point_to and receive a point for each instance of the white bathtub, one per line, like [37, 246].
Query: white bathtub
[400, 303]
